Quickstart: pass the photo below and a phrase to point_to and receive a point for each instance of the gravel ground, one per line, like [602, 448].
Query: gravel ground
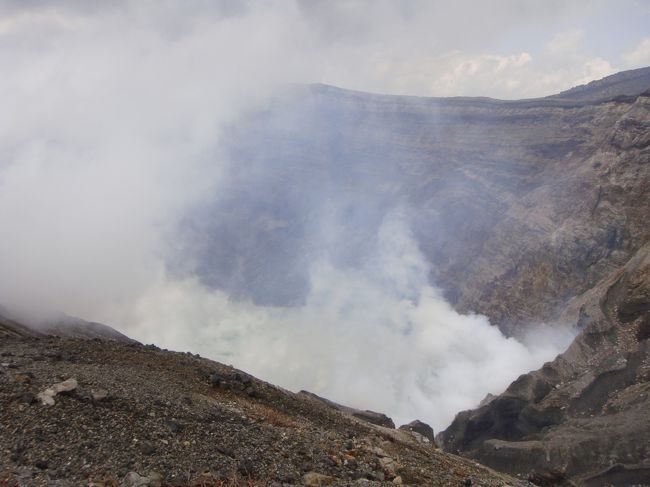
[141, 416]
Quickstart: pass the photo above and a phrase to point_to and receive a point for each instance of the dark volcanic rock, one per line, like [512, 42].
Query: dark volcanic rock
[588, 408]
[421, 428]
[372, 417]
[380, 419]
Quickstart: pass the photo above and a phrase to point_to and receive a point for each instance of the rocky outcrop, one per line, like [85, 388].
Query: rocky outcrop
[421, 428]
[587, 413]
[372, 417]
[164, 419]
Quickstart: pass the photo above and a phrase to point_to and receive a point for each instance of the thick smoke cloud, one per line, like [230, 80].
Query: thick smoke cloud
[373, 337]
[113, 130]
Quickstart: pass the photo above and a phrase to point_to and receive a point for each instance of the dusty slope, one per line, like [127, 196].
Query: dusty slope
[142, 409]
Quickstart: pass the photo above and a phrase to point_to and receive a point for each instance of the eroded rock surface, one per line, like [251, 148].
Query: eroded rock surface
[587, 413]
[519, 206]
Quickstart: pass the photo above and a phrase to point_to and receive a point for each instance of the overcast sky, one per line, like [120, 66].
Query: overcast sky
[498, 48]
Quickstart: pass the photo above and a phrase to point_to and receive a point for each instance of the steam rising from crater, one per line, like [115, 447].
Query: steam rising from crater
[377, 336]
[134, 191]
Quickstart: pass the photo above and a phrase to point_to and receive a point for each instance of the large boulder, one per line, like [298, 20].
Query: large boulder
[420, 427]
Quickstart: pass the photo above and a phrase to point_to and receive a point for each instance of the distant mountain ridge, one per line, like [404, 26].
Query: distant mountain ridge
[63, 326]
[625, 83]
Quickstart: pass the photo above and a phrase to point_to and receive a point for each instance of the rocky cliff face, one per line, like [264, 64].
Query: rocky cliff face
[529, 211]
[587, 413]
[519, 206]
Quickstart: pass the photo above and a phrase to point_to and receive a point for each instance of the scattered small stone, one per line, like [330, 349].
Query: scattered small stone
[325, 449]
[99, 394]
[155, 479]
[28, 398]
[47, 396]
[173, 426]
[225, 451]
[314, 479]
[377, 476]
[41, 464]
[25, 378]
[286, 478]
[53, 354]
[133, 479]
[147, 449]
[246, 467]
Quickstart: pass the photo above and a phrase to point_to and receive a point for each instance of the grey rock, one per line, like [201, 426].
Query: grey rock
[421, 428]
[380, 419]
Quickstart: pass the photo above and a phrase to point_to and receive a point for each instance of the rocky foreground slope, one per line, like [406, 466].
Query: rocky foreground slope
[136, 415]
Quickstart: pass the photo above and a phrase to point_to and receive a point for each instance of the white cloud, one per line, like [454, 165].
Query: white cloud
[113, 130]
[639, 57]
[377, 337]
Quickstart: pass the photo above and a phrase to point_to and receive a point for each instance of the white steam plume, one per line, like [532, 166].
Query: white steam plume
[377, 337]
[111, 125]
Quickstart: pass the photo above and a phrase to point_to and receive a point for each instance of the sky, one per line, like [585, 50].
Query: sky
[112, 119]
[498, 48]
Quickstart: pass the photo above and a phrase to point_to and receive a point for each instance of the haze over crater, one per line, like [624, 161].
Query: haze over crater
[152, 177]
